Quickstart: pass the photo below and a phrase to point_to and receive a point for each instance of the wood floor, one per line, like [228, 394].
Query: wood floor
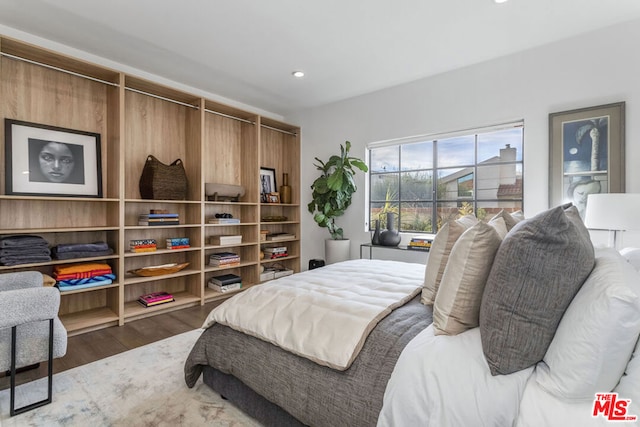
[92, 346]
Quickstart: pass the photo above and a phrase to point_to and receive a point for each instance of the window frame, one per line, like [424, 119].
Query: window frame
[436, 201]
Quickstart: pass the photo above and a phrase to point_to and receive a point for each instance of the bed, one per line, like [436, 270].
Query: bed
[406, 374]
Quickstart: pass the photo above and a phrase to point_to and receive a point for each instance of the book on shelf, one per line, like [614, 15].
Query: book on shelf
[275, 249]
[155, 298]
[143, 249]
[142, 242]
[153, 222]
[178, 243]
[224, 221]
[274, 237]
[235, 239]
[225, 288]
[279, 255]
[224, 259]
[159, 215]
[418, 248]
[225, 279]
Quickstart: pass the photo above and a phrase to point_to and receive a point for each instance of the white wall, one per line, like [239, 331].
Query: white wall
[598, 68]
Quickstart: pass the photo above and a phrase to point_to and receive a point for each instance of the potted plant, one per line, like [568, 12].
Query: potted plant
[331, 196]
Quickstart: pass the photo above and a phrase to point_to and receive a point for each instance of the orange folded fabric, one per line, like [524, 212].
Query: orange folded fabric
[81, 270]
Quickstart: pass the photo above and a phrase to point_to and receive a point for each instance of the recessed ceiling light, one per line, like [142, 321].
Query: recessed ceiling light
[500, 1]
[298, 74]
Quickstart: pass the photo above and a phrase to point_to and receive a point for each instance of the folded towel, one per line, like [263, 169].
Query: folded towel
[11, 260]
[80, 247]
[25, 252]
[80, 254]
[21, 240]
[65, 286]
[104, 279]
[81, 267]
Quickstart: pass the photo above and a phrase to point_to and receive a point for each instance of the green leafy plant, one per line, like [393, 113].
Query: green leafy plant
[334, 188]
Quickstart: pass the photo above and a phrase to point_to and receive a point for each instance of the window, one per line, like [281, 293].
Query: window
[428, 181]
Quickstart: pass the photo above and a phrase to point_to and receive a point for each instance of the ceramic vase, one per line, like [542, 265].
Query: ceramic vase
[391, 236]
[285, 189]
[375, 239]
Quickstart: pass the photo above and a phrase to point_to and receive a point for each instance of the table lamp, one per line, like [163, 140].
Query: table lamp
[614, 212]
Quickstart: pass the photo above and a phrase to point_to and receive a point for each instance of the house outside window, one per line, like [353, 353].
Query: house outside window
[427, 181]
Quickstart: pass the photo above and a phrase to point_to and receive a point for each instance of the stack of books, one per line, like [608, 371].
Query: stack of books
[159, 217]
[224, 221]
[178, 243]
[155, 298]
[142, 245]
[224, 259]
[420, 244]
[235, 239]
[275, 252]
[274, 237]
[225, 283]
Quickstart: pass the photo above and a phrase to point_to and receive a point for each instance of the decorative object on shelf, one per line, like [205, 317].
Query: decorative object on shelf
[273, 198]
[163, 182]
[331, 195]
[58, 161]
[267, 183]
[222, 192]
[587, 154]
[285, 189]
[375, 239]
[159, 270]
[390, 236]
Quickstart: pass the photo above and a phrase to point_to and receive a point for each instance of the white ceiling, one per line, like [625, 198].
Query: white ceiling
[246, 50]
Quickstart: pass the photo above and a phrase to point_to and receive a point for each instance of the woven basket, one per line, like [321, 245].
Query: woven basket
[163, 182]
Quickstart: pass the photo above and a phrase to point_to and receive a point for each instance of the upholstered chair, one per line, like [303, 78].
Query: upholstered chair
[30, 330]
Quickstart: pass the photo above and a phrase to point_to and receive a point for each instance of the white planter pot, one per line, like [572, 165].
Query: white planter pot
[337, 250]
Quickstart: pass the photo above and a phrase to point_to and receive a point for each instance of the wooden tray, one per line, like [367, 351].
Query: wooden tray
[159, 270]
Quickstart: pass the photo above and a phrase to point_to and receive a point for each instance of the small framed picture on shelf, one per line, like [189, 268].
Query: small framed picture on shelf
[42, 160]
[267, 183]
[273, 197]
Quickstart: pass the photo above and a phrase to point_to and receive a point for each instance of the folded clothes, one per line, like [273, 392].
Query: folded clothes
[80, 254]
[64, 286]
[104, 279]
[81, 267]
[21, 240]
[80, 247]
[18, 260]
[25, 252]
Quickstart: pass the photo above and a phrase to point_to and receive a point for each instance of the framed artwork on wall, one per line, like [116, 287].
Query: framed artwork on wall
[267, 184]
[42, 160]
[586, 154]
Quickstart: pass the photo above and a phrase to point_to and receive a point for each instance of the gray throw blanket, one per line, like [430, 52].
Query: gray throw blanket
[316, 395]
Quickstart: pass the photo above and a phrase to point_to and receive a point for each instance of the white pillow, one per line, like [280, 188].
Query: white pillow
[632, 255]
[457, 304]
[597, 333]
[439, 255]
[629, 385]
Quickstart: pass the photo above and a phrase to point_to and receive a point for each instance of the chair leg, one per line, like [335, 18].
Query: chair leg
[13, 409]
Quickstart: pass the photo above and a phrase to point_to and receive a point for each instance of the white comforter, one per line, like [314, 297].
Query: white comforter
[445, 381]
[323, 314]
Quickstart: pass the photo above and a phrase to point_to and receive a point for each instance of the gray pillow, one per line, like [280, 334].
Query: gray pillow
[539, 267]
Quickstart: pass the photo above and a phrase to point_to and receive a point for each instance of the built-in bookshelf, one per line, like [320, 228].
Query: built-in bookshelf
[136, 118]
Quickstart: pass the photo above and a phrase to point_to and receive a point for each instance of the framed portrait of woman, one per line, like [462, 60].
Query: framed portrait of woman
[47, 160]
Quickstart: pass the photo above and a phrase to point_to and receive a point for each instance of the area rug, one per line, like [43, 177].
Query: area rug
[141, 387]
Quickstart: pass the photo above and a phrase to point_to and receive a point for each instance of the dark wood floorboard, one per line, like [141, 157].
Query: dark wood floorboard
[92, 346]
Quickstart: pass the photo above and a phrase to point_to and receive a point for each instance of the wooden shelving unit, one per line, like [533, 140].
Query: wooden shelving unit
[137, 118]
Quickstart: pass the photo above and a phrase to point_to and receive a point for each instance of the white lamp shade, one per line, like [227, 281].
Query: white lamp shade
[613, 211]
